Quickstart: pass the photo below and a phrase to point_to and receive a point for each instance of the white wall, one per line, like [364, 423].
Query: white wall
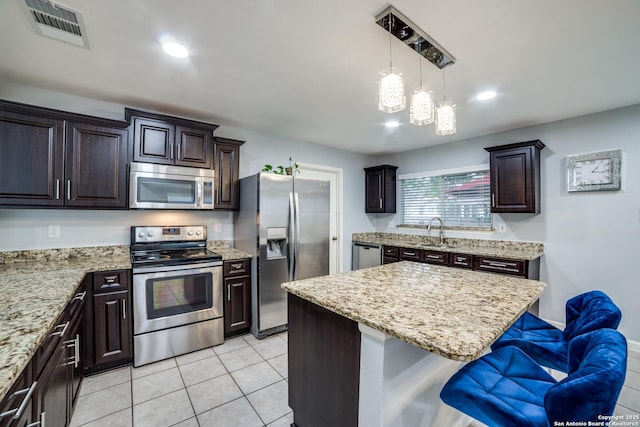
[28, 228]
[591, 240]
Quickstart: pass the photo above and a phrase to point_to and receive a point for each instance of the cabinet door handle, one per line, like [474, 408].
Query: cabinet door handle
[433, 256]
[410, 253]
[68, 189]
[178, 150]
[62, 332]
[228, 292]
[171, 150]
[110, 279]
[380, 203]
[493, 200]
[80, 296]
[57, 189]
[236, 266]
[17, 413]
[124, 308]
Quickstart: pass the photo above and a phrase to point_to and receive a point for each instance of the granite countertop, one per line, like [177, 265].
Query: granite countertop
[35, 286]
[223, 247]
[455, 313]
[493, 248]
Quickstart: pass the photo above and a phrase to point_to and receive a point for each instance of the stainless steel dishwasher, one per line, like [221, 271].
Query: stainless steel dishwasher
[365, 255]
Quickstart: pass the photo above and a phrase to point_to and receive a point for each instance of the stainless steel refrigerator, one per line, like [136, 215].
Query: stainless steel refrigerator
[283, 222]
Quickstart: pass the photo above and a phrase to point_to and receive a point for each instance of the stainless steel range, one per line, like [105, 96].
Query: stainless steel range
[177, 292]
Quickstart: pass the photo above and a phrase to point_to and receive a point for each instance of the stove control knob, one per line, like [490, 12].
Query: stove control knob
[150, 233]
[190, 233]
[198, 233]
[140, 234]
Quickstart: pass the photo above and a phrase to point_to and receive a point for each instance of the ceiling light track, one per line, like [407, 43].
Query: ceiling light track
[413, 36]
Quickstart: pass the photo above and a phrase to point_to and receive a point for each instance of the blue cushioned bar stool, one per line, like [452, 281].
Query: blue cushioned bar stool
[547, 344]
[508, 388]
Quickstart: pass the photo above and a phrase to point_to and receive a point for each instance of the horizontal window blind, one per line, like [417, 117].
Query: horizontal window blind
[460, 199]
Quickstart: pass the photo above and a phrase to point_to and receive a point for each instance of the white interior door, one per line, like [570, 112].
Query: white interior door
[334, 176]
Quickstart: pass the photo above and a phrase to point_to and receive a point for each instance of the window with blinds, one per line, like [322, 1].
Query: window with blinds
[460, 199]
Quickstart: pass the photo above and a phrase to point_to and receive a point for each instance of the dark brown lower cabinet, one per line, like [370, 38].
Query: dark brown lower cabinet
[52, 397]
[111, 330]
[75, 357]
[237, 296]
[19, 400]
[109, 340]
[324, 366]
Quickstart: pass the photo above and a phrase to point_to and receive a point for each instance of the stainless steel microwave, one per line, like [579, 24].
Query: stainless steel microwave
[170, 187]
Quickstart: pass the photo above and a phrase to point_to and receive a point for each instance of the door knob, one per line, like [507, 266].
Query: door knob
[334, 238]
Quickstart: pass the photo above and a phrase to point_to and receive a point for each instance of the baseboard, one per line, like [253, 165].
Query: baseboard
[631, 345]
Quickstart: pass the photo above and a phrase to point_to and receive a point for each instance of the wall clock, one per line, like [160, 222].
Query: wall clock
[594, 171]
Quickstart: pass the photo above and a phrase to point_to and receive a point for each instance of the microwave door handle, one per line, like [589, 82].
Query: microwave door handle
[199, 197]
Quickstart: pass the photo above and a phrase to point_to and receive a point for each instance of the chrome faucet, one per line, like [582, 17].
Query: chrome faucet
[441, 228]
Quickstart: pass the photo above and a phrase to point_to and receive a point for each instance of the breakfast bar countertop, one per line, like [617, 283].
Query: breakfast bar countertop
[36, 286]
[454, 313]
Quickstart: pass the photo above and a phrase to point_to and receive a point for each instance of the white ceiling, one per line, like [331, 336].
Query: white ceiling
[308, 70]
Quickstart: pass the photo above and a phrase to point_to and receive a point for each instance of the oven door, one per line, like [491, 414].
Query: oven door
[176, 296]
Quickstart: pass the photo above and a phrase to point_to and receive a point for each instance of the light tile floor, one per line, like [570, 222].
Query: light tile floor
[242, 382]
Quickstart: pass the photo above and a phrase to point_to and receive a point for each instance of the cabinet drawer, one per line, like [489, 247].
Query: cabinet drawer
[435, 257]
[76, 305]
[110, 281]
[500, 265]
[389, 259]
[240, 267]
[52, 342]
[461, 260]
[391, 251]
[18, 399]
[411, 254]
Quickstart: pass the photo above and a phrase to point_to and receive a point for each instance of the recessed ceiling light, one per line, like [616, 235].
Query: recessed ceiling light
[175, 49]
[392, 124]
[484, 96]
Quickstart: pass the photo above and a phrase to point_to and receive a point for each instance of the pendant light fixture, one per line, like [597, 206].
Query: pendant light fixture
[422, 105]
[391, 97]
[445, 114]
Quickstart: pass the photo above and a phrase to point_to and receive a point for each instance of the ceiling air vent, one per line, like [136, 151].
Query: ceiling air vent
[58, 22]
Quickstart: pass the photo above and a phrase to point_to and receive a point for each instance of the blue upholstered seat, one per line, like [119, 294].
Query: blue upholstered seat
[508, 388]
[547, 344]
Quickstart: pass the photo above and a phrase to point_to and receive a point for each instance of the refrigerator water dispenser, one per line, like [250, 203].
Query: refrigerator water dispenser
[276, 242]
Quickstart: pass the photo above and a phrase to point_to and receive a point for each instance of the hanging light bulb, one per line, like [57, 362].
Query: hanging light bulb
[445, 115]
[422, 105]
[391, 87]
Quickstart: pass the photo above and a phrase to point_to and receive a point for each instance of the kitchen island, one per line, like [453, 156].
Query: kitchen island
[374, 347]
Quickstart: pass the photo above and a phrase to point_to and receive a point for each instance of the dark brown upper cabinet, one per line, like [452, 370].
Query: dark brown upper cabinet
[227, 164]
[96, 166]
[515, 177]
[166, 140]
[380, 189]
[50, 158]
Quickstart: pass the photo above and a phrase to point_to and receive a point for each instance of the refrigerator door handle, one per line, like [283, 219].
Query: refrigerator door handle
[292, 237]
[297, 239]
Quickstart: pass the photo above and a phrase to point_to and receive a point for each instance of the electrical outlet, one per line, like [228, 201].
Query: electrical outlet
[54, 230]
[502, 228]
[218, 227]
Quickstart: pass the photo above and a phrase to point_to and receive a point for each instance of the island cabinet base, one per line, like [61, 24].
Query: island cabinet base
[344, 373]
[324, 366]
[400, 384]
